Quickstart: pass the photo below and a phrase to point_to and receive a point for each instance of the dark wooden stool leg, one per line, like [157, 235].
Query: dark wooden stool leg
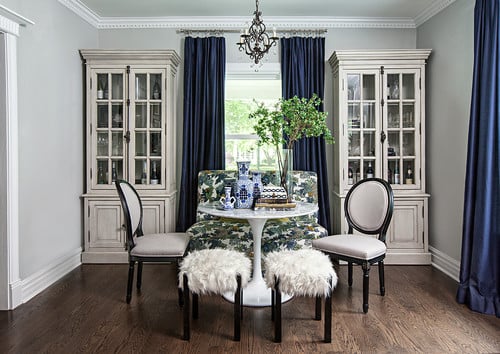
[186, 306]
[179, 290]
[366, 285]
[237, 310]
[277, 319]
[349, 273]
[195, 306]
[273, 304]
[130, 281]
[139, 275]
[317, 315]
[381, 277]
[328, 315]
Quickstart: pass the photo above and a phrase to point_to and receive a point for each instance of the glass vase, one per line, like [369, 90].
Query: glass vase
[286, 168]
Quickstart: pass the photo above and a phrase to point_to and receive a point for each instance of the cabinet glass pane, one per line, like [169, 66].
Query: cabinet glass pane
[102, 171]
[408, 114]
[409, 176]
[141, 171]
[369, 115]
[353, 87]
[102, 115]
[116, 169]
[408, 143]
[140, 86]
[393, 115]
[155, 115]
[368, 87]
[117, 86]
[393, 172]
[102, 86]
[354, 144]
[117, 111]
[356, 174]
[155, 172]
[408, 86]
[393, 86]
[140, 143]
[141, 115]
[155, 89]
[155, 144]
[393, 148]
[353, 116]
[117, 144]
[369, 144]
[102, 144]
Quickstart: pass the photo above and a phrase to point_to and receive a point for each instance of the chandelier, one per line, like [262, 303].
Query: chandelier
[254, 40]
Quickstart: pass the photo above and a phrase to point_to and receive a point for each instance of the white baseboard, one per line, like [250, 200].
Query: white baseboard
[445, 263]
[36, 283]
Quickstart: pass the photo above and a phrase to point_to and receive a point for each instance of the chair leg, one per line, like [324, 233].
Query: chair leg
[186, 306]
[277, 319]
[237, 310]
[139, 275]
[317, 315]
[381, 277]
[328, 315]
[349, 273]
[366, 285]
[130, 280]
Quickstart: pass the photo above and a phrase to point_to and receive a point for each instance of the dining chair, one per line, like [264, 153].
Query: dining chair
[368, 209]
[158, 247]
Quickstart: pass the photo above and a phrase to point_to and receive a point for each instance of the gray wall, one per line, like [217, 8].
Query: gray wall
[449, 81]
[50, 132]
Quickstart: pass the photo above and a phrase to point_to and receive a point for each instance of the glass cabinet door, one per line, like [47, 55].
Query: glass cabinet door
[108, 126]
[147, 127]
[362, 126]
[403, 125]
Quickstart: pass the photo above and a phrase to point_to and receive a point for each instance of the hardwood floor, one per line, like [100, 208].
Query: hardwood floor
[86, 312]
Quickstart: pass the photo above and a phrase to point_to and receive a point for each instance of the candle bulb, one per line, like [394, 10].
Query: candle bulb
[274, 31]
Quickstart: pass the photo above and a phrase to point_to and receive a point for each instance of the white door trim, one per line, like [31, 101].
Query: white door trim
[10, 283]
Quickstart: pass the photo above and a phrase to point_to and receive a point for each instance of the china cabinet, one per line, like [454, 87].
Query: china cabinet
[379, 117]
[130, 134]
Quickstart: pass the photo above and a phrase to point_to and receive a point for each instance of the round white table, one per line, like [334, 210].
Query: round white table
[256, 293]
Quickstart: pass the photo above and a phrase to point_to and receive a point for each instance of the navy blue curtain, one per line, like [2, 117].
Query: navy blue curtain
[302, 74]
[480, 265]
[203, 136]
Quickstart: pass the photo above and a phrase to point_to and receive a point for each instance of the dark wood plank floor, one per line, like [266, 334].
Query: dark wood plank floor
[86, 312]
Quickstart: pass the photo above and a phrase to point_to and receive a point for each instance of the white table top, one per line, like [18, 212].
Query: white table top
[300, 209]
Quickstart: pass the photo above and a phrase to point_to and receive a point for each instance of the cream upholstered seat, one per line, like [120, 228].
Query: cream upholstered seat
[304, 272]
[164, 247]
[368, 209]
[214, 271]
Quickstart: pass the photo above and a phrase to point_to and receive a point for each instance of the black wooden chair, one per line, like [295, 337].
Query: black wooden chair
[368, 209]
[161, 247]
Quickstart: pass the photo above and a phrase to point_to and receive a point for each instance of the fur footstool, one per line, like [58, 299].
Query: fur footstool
[304, 272]
[214, 271]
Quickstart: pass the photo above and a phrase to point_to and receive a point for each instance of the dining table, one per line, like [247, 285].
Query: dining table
[256, 293]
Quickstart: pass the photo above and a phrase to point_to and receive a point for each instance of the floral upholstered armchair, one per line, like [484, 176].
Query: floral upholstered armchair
[278, 234]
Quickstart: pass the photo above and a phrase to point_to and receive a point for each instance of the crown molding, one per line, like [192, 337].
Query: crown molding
[83, 11]
[432, 10]
[237, 22]
[10, 21]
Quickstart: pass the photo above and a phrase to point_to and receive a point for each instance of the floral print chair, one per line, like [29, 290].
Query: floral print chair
[278, 234]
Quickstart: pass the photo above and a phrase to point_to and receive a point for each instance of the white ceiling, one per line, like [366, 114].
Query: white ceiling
[165, 13]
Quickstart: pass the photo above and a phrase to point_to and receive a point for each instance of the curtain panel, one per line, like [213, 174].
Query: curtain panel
[303, 74]
[479, 285]
[203, 134]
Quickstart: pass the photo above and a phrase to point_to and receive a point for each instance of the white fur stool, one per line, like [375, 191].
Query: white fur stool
[214, 271]
[304, 272]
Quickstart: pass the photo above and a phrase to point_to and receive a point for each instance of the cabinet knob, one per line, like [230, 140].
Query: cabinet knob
[382, 136]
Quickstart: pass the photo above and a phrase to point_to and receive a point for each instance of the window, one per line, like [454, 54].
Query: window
[244, 91]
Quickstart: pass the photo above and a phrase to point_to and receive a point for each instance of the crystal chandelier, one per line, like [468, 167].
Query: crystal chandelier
[254, 40]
